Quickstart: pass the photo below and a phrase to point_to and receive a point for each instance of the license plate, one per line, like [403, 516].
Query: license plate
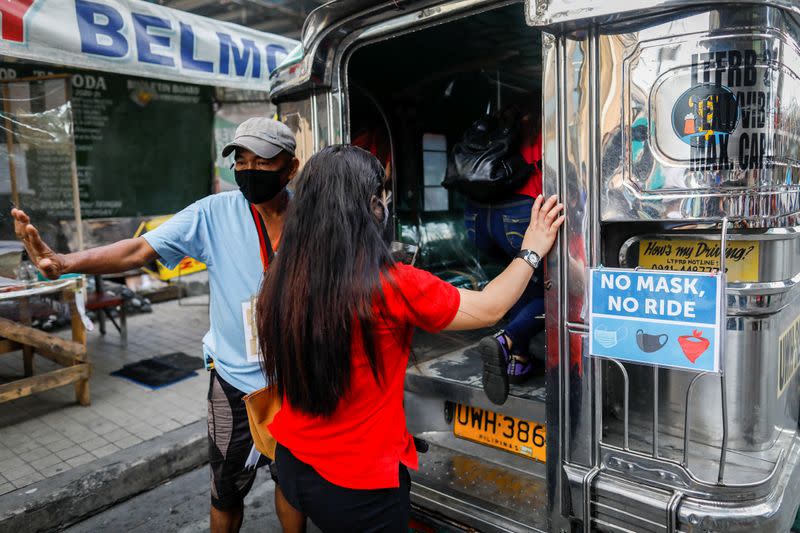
[522, 437]
[700, 256]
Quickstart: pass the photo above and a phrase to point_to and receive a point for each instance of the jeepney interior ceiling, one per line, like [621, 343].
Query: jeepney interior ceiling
[492, 41]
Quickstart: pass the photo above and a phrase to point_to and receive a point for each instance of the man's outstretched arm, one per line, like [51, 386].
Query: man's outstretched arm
[123, 255]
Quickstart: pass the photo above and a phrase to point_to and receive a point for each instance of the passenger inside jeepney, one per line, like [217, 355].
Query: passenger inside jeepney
[424, 101]
[496, 166]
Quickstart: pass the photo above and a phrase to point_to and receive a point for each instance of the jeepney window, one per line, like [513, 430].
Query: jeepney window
[434, 164]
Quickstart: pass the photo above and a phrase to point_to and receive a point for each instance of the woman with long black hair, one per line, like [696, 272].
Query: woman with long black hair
[336, 316]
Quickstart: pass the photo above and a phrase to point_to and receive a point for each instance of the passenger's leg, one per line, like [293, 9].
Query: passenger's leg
[522, 323]
[509, 221]
[477, 223]
[521, 328]
[507, 225]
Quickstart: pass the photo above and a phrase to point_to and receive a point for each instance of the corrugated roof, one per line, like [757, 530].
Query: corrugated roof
[283, 17]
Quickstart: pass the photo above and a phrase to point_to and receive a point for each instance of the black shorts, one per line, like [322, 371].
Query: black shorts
[334, 509]
[232, 456]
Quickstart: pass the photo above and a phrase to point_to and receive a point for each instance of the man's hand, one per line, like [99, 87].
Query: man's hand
[49, 263]
[546, 218]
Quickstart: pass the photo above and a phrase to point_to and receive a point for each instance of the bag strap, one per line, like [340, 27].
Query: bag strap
[263, 238]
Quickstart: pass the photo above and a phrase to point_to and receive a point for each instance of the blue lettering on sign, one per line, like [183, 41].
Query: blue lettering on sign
[100, 29]
[103, 32]
[659, 318]
[145, 39]
[275, 54]
[188, 60]
[241, 58]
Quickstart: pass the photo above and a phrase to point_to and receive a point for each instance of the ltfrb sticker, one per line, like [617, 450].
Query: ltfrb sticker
[657, 318]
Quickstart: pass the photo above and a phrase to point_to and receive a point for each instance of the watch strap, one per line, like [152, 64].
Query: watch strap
[530, 257]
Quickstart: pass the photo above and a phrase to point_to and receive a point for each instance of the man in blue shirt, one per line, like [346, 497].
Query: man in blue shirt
[234, 234]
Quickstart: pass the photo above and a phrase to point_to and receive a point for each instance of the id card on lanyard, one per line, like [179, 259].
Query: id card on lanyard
[252, 348]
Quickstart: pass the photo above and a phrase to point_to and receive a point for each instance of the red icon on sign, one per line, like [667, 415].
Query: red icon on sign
[693, 345]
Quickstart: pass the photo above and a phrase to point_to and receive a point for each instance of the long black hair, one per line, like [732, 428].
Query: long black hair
[324, 280]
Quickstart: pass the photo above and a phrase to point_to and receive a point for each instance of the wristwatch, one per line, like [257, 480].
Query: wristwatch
[530, 257]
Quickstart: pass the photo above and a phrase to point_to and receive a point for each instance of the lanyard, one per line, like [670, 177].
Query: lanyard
[263, 238]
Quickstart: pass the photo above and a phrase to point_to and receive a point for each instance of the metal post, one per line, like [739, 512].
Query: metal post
[655, 412]
[723, 327]
[626, 390]
[687, 417]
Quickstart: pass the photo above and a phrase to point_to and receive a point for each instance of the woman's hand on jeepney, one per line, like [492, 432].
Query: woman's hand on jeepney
[49, 263]
[546, 218]
[480, 309]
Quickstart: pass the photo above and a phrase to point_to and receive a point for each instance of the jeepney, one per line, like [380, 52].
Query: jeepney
[670, 129]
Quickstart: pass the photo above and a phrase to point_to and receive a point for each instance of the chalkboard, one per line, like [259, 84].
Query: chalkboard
[143, 147]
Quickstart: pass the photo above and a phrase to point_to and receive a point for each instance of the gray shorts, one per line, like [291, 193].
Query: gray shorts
[232, 457]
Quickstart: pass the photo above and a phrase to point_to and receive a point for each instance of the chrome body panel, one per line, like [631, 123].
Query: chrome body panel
[652, 173]
[619, 504]
[571, 14]
[446, 483]
[759, 312]
[616, 152]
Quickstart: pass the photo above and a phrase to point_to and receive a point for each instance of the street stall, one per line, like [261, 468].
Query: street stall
[111, 115]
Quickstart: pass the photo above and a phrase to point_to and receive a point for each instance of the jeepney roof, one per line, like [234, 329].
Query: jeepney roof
[309, 65]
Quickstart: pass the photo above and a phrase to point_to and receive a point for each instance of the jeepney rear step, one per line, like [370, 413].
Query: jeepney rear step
[456, 377]
[482, 488]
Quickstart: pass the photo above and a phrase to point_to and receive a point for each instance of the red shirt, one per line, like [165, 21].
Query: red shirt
[532, 153]
[363, 443]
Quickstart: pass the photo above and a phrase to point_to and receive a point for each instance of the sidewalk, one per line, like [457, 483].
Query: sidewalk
[48, 434]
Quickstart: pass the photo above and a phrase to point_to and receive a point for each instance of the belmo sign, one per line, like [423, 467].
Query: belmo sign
[140, 38]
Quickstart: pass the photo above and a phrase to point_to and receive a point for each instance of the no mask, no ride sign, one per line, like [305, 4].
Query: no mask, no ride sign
[669, 319]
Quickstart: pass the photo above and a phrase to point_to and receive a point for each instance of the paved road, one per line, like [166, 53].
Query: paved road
[182, 506]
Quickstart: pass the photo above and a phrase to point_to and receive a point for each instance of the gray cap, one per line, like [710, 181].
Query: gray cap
[263, 136]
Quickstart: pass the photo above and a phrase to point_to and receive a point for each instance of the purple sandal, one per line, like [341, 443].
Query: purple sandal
[500, 367]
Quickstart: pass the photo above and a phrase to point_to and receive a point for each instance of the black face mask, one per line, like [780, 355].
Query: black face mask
[259, 186]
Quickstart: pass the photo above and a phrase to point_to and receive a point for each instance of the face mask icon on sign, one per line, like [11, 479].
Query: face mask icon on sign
[608, 338]
[650, 343]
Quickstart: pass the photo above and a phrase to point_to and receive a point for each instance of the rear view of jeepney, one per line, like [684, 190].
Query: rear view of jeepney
[670, 131]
